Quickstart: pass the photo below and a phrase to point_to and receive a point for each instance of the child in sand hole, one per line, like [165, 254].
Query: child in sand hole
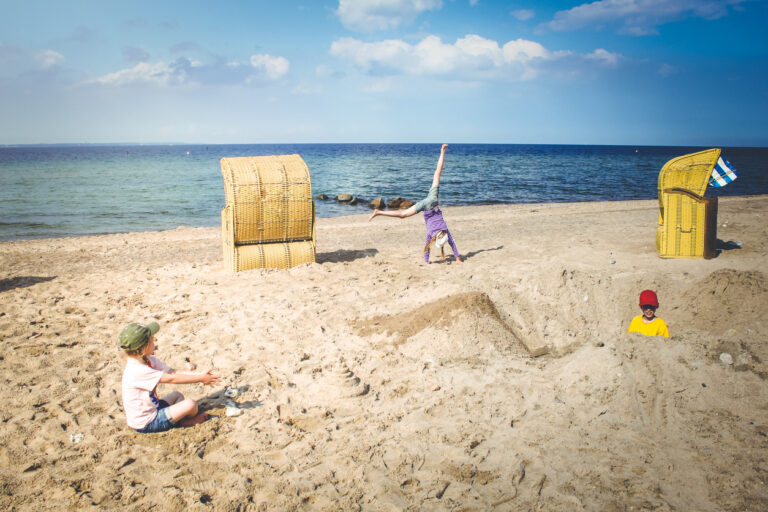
[437, 230]
[648, 323]
[144, 411]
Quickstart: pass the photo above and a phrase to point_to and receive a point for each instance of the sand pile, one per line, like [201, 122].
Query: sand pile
[462, 325]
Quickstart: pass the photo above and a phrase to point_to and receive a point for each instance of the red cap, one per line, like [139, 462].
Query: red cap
[648, 298]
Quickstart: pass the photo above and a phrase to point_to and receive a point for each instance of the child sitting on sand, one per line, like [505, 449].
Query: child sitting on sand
[144, 411]
[437, 229]
[648, 323]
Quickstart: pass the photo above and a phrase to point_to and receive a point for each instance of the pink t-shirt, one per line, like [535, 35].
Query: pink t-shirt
[139, 398]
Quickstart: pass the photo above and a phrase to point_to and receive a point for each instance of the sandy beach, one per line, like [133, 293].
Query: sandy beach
[372, 381]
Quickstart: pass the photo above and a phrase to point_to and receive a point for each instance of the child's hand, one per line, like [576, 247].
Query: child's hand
[208, 378]
[445, 146]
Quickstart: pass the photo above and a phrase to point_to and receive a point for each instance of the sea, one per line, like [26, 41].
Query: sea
[73, 190]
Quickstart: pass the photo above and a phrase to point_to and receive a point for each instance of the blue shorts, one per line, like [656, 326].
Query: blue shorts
[429, 202]
[162, 421]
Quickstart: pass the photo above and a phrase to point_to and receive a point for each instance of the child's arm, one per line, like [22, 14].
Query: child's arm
[453, 246]
[205, 377]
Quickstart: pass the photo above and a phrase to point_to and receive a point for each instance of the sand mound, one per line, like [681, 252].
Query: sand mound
[725, 298]
[439, 313]
[464, 315]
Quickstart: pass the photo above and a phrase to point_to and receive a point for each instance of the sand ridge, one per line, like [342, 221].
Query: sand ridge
[372, 381]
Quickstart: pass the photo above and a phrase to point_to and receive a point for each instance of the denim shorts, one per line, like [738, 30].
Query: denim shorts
[162, 421]
[429, 202]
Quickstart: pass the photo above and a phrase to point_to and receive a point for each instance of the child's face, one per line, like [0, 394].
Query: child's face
[648, 311]
[150, 348]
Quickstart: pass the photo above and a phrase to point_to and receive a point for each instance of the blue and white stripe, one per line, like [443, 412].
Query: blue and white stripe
[722, 174]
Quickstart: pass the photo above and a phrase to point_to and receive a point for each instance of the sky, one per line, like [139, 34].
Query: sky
[635, 72]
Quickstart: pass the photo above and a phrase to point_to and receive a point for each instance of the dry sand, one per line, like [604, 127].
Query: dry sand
[371, 381]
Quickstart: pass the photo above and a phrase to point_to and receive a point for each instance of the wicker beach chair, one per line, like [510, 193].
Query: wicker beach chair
[269, 217]
[687, 220]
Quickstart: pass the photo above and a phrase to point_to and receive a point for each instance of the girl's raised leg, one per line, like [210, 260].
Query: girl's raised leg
[394, 213]
[439, 170]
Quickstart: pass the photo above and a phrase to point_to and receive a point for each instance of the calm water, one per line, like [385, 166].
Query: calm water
[52, 191]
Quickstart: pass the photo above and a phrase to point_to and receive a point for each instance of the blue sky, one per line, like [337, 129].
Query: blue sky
[666, 72]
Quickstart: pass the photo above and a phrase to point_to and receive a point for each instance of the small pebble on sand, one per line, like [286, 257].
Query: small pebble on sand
[234, 411]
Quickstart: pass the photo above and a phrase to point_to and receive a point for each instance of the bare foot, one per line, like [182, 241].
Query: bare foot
[375, 213]
[194, 420]
[458, 260]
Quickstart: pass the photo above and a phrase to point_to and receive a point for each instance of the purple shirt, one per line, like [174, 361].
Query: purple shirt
[434, 221]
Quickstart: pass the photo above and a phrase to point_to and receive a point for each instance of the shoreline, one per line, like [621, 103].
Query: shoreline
[319, 219]
[370, 380]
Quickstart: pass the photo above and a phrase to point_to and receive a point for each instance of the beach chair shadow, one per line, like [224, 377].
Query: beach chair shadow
[345, 255]
[726, 246]
[12, 283]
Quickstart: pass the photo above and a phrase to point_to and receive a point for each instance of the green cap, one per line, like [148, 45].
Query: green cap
[135, 336]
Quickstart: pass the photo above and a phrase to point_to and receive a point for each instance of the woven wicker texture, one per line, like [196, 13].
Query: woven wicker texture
[281, 255]
[269, 217]
[688, 172]
[271, 198]
[274, 255]
[690, 227]
[687, 220]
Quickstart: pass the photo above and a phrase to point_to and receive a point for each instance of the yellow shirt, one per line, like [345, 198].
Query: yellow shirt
[656, 328]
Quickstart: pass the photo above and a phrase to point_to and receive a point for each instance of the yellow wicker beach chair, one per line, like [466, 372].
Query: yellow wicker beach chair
[687, 220]
[269, 217]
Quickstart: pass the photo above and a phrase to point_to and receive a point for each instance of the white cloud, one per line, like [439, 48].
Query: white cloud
[48, 58]
[523, 14]
[373, 15]
[637, 17]
[605, 57]
[193, 72]
[364, 54]
[158, 73]
[525, 51]
[473, 2]
[273, 67]
[470, 57]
